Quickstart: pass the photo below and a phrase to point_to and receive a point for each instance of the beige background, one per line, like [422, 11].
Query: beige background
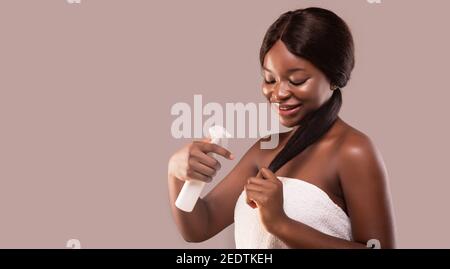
[86, 92]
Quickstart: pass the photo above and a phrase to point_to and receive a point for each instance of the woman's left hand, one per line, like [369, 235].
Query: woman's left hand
[265, 191]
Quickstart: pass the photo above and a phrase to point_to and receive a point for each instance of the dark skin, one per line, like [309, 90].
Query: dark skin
[344, 163]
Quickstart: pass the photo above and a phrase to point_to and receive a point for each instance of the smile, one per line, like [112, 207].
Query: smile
[287, 110]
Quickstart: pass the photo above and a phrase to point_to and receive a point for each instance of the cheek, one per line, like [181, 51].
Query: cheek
[324, 93]
[266, 90]
[306, 93]
[310, 94]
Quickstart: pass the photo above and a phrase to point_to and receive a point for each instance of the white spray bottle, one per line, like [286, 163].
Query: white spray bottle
[189, 194]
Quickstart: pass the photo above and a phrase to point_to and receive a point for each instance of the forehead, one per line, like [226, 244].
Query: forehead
[280, 60]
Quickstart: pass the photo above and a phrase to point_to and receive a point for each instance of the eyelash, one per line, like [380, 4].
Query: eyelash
[299, 83]
[295, 84]
[269, 82]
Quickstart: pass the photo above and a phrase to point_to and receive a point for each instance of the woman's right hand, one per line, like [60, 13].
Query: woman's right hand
[192, 161]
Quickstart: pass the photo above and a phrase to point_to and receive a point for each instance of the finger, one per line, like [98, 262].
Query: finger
[248, 200]
[258, 181]
[191, 174]
[256, 197]
[267, 174]
[203, 169]
[207, 160]
[254, 187]
[252, 204]
[214, 148]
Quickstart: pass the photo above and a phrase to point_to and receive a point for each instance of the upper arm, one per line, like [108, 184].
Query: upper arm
[221, 200]
[363, 179]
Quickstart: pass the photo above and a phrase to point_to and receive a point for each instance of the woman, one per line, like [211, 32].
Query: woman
[325, 185]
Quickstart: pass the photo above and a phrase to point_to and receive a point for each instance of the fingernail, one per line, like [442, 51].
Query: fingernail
[231, 156]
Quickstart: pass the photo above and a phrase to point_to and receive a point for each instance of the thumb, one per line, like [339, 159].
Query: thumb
[267, 174]
[206, 139]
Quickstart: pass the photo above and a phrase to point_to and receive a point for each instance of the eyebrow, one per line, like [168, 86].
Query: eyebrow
[292, 70]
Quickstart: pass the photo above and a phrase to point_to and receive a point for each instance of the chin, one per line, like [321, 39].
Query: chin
[288, 123]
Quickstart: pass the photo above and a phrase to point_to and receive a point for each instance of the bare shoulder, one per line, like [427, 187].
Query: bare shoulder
[353, 142]
[357, 152]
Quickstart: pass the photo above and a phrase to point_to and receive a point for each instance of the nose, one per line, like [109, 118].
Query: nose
[280, 93]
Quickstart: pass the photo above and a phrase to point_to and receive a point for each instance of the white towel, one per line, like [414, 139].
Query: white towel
[303, 202]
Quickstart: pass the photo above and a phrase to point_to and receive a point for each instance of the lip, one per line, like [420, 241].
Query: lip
[285, 110]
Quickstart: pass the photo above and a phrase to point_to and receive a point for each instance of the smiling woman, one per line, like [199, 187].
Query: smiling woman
[325, 184]
[313, 52]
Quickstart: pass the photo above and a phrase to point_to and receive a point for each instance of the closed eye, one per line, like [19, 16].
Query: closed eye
[269, 82]
[298, 83]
